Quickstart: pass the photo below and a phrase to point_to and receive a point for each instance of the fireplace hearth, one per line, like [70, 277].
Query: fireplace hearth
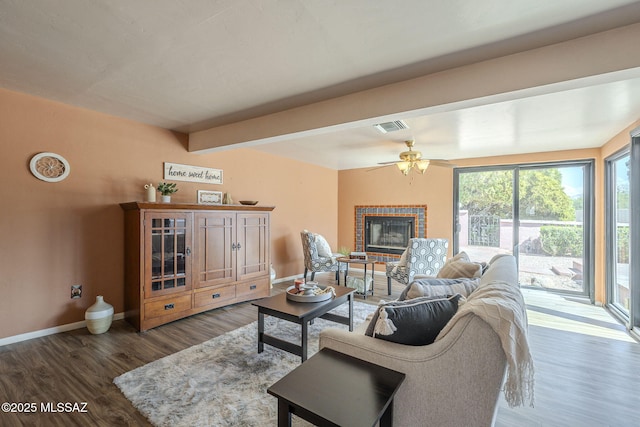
[388, 234]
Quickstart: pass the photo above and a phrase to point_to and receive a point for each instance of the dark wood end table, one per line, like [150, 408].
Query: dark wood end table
[301, 313]
[334, 389]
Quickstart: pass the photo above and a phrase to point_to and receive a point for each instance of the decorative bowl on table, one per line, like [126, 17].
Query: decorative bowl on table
[248, 202]
[308, 293]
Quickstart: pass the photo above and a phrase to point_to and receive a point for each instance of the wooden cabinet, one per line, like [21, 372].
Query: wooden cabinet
[182, 259]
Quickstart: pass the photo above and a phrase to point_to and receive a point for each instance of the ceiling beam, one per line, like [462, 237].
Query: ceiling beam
[598, 58]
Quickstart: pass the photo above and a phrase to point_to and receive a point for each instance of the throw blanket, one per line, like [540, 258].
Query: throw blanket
[502, 306]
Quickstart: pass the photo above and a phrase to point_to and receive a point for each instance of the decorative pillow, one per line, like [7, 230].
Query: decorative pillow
[428, 281]
[460, 256]
[402, 262]
[458, 269]
[324, 250]
[460, 266]
[435, 287]
[413, 322]
[403, 258]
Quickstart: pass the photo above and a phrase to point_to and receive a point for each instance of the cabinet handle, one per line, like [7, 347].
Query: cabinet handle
[238, 246]
[169, 306]
[215, 296]
[252, 287]
[233, 246]
[188, 251]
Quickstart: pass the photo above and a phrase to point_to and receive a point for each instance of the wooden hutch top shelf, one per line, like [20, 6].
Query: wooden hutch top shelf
[130, 206]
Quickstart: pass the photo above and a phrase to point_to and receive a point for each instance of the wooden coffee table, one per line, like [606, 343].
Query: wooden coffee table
[301, 313]
[334, 389]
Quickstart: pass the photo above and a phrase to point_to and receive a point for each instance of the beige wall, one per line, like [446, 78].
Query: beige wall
[387, 186]
[58, 234]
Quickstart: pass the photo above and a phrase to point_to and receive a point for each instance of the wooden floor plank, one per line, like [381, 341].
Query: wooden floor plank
[588, 368]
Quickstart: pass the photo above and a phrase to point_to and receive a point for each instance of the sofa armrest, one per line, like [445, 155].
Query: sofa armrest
[454, 381]
[391, 354]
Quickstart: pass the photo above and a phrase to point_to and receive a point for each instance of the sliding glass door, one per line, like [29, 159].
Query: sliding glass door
[622, 217]
[618, 180]
[541, 213]
[551, 231]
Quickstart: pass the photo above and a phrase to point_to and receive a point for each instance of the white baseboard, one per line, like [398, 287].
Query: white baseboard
[50, 331]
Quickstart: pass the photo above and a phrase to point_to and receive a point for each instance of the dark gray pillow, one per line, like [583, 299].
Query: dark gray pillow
[413, 322]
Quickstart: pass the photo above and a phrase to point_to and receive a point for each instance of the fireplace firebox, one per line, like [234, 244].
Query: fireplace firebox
[388, 234]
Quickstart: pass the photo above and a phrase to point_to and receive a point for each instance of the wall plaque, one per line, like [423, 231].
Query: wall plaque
[177, 172]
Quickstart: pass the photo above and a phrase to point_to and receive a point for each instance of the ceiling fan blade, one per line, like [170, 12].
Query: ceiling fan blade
[434, 162]
[390, 163]
[442, 163]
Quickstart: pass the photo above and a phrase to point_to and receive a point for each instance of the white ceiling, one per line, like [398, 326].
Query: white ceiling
[195, 64]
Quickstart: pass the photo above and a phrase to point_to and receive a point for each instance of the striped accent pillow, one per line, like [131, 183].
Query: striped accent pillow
[436, 287]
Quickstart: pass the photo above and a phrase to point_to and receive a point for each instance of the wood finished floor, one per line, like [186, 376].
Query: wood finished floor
[587, 367]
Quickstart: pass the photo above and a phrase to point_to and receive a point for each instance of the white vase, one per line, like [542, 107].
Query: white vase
[99, 316]
[151, 193]
[166, 199]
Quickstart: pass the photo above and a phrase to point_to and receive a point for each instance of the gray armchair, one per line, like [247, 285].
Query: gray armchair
[423, 257]
[318, 256]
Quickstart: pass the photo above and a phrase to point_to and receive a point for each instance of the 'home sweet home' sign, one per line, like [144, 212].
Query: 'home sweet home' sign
[177, 172]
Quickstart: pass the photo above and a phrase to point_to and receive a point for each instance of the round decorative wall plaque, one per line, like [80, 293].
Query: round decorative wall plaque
[50, 167]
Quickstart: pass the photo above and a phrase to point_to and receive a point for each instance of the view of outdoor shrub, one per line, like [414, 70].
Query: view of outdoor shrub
[561, 240]
[623, 244]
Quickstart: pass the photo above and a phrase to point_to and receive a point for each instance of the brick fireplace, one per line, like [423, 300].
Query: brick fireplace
[388, 248]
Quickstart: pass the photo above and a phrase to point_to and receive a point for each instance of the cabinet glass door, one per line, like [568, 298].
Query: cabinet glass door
[167, 246]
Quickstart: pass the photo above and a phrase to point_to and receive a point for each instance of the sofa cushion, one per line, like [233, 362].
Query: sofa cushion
[438, 287]
[324, 250]
[460, 266]
[413, 322]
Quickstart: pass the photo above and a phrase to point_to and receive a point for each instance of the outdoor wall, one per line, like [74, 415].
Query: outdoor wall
[55, 235]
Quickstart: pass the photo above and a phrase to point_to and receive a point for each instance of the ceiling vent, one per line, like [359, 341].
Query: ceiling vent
[391, 126]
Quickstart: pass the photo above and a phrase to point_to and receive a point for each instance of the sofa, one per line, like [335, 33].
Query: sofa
[456, 380]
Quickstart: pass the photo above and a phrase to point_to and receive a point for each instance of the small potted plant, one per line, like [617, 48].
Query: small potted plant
[345, 251]
[167, 189]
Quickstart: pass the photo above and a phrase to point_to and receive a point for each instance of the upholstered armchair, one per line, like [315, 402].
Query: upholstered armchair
[423, 257]
[318, 256]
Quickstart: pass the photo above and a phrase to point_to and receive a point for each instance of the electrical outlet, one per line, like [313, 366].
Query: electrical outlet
[76, 291]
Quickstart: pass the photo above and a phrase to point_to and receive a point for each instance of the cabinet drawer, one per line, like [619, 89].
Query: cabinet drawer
[252, 289]
[214, 296]
[167, 306]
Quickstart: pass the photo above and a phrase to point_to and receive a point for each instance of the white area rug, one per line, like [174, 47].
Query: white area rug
[223, 381]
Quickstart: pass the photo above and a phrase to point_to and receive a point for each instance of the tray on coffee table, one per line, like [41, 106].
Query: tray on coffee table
[294, 295]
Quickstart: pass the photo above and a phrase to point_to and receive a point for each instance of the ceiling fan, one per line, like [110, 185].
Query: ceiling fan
[413, 159]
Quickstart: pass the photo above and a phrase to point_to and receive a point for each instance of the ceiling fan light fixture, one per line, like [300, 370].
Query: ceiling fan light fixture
[422, 165]
[404, 167]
